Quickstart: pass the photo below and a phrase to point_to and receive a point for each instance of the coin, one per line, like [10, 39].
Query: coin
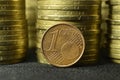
[13, 57]
[114, 7]
[11, 12]
[70, 13]
[91, 47]
[81, 27]
[12, 52]
[115, 17]
[72, 18]
[16, 17]
[13, 22]
[114, 41]
[115, 46]
[7, 7]
[57, 56]
[114, 2]
[13, 2]
[116, 22]
[52, 22]
[15, 47]
[14, 42]
[68, 7]
[116, 60]
[114, 56]
[115, 51]
[12, 27]
[12, 37]
[88, 61]
[12, 32]
[64, 2]
[45, 24]
[114, 31]
[115, 27]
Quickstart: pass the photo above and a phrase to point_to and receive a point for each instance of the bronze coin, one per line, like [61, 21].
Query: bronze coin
[63, 45]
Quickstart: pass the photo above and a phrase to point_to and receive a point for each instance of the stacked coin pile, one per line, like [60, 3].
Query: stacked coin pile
[13, 35]
[114, 30]
[105, 13]
[84, 14]
[31, 19]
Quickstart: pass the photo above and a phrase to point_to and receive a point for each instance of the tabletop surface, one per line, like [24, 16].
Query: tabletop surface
[31, 70]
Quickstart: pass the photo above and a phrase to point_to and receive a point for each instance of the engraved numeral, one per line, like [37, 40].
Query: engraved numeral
[53, 41]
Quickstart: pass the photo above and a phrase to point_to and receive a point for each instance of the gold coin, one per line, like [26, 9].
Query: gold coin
[115, 7]
[51, 22]
[115, 17]
[115, 27]
[12, 32]
[115, 37]
[13, 22]
[89, 57]
[14, 42]
[64, 36]
[116, 22]
[92, 55]
[95, 46]
[114, 41]
[43, 24]
[116, 60]
[114, 2]
[15, 47]
[12, 7]
[12, 12]
[114, 12]
[72, 2]
[114, 31]
[12, 37]
[15, 17]
[13, 52]
[70, 13]
[115, 46]
[115, 51]
[2, 58]
[90, 32]
[72, 18]
[13, 2]
[69, 7]
[81, 27]
[90, 50]
[88, 61]
[13, 27]
[115, 56]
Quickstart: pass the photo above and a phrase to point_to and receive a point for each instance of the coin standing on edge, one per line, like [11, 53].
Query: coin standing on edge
[63, 45]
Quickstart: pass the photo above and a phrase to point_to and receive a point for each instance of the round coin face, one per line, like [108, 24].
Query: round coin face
[63, 45]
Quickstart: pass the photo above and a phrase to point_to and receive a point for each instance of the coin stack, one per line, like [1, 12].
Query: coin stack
[114, 30]
[84, 14]
[31, 19]
[13, 31]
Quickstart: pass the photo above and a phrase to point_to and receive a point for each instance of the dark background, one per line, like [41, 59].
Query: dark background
[31, 70]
